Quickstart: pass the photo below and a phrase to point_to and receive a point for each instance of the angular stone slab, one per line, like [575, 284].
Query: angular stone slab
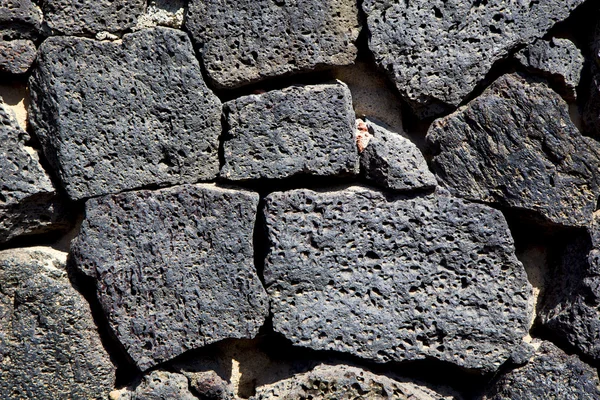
[19, 19]
[245, 41]
[29, 203]
[67, 17]
[558, 60]
[298, 130]
[16, 56]
[393, 278]
[113, 116]
[393, 161]
[436, 52]
[515, 145]
[157, 385]
[551, 374]
[49, 344]
[174, 268]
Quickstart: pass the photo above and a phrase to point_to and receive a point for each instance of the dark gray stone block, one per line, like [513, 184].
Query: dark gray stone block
[515, 145]
[19, 19]
[49, 344]
[157, 385]
[68, 17]
[16, 56]
[390, 278]
[591, 112]
[436, 52]
[174, 268]
[245, 41]
[113, 116]
[551, 374]
[393, 161]
[298, 130]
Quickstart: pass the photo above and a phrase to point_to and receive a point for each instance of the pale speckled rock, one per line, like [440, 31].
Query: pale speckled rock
[68, 17]
[515, 145]
[244, 41]
[436, 52]
[558, 60]
[299, 130]
[163, 13]
[394, 162]
[49, 344]
[157, 385]
[113, 116]
[174, 268]
[19, 19]
[391, 278]
[16, 56]
[342, 382]
[550, 374]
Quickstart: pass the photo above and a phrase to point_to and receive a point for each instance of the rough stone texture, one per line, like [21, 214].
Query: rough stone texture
[19, 19]
[113, 116]
[157, 385]
[436, 52]
[591, 112]
[515, 145]
[390, 278]
[210, 386]
[28, 202]
[559, 60]
[394, 162]
[70, 17]
[551, 374]
[49, 344]
[341, 382]
[298, 130]
[245, 41]
[174, 268]
[163, 13]
[16, 56]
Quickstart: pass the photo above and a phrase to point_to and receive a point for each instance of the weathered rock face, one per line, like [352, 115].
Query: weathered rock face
[558, 60]
[116, 116]
[436, 52]
[16, 56]
[394, 278]
[163, 13]
[28, 202]
[551, 374]
[515, 145]
[174, 268]
[298, 130]
[67, 17]
[328, 382]
[19, 19]
[245, 41]
[393, 161]
[591, 113]
[157, 385]
[49, 345]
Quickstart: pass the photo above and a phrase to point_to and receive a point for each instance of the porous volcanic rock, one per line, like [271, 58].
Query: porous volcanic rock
[68, 17]
[16, 56]
[558, 60]
[550, 374]
[19, 19]
[157, 385]
[113, 116]
[49, 344]
[515, 145]
[591, 112]
[393, 161]
[337, 382]
[244, 41]
[174, 267]
[298, 130]
[391, 278]
[436, 52]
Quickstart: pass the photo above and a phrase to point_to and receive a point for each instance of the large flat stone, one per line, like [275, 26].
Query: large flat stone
[299, 130]
[436, 52]
[174, 268]
[16, 56]
[19, 19]
[391, 278]
[49, 344]
[515, 145]
[113, 116]
[244, 41]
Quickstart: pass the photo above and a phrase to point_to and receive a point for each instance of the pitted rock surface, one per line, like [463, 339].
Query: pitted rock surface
[174, 268]
[298, 130]
[558, 60]
[551, 374]
[391, 278]
[591, 113]
[393, 161]
[436, 52]
[115, 116]
[49, 344]
[515, 145]
[67, 17]
[19, 19]
[157, 385]
[16, 56]
[245, 41]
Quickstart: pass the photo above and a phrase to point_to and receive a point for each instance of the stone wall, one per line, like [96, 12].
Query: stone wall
[283, 199]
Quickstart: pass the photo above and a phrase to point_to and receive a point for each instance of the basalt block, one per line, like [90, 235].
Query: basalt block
[16, 56]
[19, 19]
